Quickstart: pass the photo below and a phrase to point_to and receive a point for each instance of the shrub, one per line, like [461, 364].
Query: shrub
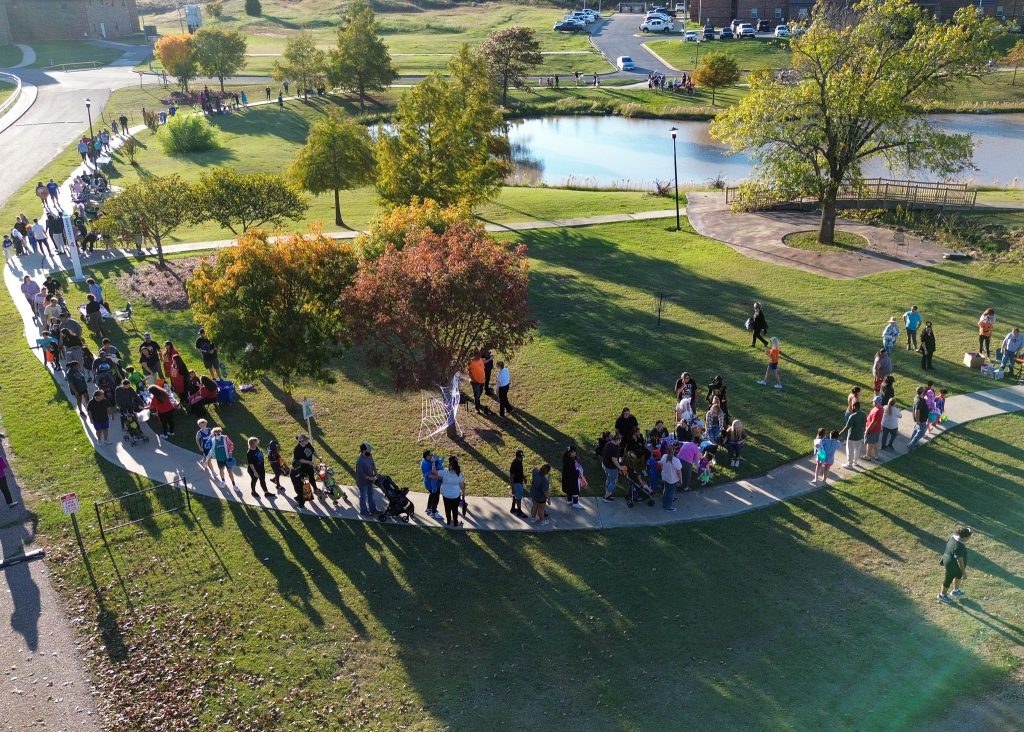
[253, 8]
[187, 134]
[130, 149]
[216, 8]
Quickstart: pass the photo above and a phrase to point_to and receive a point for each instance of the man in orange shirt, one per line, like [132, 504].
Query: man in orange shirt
[477, 379]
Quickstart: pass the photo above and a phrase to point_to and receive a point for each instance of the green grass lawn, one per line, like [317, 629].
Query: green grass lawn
[9, 56]
[6, 90]
[749, 54]
[54, 53]
[844, 241]
[570, 99]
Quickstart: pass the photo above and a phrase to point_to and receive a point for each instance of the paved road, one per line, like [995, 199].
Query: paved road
[618, 36]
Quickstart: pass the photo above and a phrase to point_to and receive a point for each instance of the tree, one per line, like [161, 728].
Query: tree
[510, 53]
[151, 208]
[1015, 58]
[241, 201]
[361, 62]
[219, 53]
[448, 140]
[215, 8]
[253, 8]
[424, 309]
[304, 63]
[274, 308]
[402, 223]
[177, 53]
[716, 71]
[337, 156]
[857, 95]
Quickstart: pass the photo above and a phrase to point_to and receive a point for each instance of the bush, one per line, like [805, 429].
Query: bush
[216, 9]
[253, 8]
[187, 134]
[130, 150]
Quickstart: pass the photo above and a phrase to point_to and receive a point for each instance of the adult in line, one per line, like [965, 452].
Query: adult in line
[4, 487]
[912, 321]
[98, 410]
[717, 390]
[164, 407]
[30, 289]
[432, 483]
[927, 346]
[453, 490]
[208, 350]
[476, 379]
[735, 437]
[540, 487]
[366, 476]
[891, 416]
[686, 388]
[1011, 346]
[256, 466]
[881, 369]
[571, 477]
[986, 323]
[221, 449]
[954, 560]
[873, 430]
[517, 483]
[890, 335]
[920, 411]
[503, 382]
[689, 456]
[174, 367]
[626, 424]
[203, 396]
[303, 454]
[127, 400]
[611, 461]
[888, 390]
[671, 476]
[79, 385]
[758, 325]
[149, 358]
[854, 429]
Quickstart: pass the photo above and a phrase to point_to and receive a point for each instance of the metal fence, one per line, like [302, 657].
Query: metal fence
[132, 508]
[873, 192]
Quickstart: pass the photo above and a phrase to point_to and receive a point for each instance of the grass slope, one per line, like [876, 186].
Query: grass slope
[750, 55]
[54, 53]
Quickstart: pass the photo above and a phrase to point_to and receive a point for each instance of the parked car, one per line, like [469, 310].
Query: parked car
[709, 32]
[666, 11]
[579, 18]
[782, 31]
[763, 25]
[690, 36]
[746, 30]
[656, 25]
[657, 14]
[726, 35]
[568, 26]
[735, 24]
[680, 7]
[625, 63]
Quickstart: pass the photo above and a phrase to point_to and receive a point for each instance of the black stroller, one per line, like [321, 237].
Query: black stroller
[637, 489]
[131, 427]
[399, 506]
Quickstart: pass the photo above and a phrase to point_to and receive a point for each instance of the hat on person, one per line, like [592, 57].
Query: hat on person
[366, 447]
[519, 454]
[303, 438]
[892, 319]
[878, 399]
[146, 336]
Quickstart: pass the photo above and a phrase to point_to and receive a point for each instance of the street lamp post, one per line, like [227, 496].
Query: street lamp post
[88, 112]
[696, 58]
[675, 168]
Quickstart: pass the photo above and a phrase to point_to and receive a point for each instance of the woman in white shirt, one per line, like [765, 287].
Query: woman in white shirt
[453, 490]
[890, 424]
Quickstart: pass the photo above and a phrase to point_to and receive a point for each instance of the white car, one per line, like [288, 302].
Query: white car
[658, 14]
[655, 25]
[746, 30]
[625, 63]
[782, 31]
[690, 36]
[680, 7]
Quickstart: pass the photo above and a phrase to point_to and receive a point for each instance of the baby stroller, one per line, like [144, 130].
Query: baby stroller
[638, 491]
[131, 425]
[105, 381]
[326, 476]
[399, 506]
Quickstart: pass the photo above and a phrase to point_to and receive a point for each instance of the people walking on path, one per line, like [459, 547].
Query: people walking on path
[611, 461]
[888, 390]
[890, 335]
[303, 454]
[165, 408]
[671, 477]
[758, 326]
[986, 323]
[453, 491]
[920, 411]
[854, 430]
[98, 410]
[1011, 346]
[927, 346]
[221, 450]
[881, 368]
[825, 447]
[256, 466]
[873, 430]
[954, 562]
[504, 382]
[773, 364]
[276, 462]
[571, 476]
[431, 482]
[4, 487]
[204, 442]
[540, 488]
[911, 322]
[366, 476]
[891, 416]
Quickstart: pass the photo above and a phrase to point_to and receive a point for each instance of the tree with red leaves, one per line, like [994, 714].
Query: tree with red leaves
[425, 309]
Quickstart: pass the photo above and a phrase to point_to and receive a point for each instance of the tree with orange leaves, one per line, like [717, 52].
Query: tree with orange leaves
[177, 53]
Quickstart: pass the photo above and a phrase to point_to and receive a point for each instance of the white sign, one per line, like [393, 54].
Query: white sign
[307, 409]
[69, 242]
[69, 503]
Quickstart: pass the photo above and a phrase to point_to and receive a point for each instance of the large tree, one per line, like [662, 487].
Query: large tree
[240, 201]
[715, 71]
[151, 208]
[361, 62]
[510, 53]
[423, 310]
[274, 308]
[1015, 58]
[219, 53]
[859, 78]
[177, 54]
[303, 64]
[337, 156]
[448, 141]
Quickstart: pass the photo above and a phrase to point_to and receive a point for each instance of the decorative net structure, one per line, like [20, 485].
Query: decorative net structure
[439, 413]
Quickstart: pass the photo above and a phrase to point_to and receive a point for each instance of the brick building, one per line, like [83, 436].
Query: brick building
[55, 20]
[722, 12]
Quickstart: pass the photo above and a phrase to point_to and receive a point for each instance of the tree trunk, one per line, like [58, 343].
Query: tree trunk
[1014, 82]
[221, 84]
[713, 96]
[159, 251]
[337, 208]
[827, 228]
[362, 97]
[504, 91]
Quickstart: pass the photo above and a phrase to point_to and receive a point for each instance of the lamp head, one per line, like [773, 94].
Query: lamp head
[674, 131]
[88, 102]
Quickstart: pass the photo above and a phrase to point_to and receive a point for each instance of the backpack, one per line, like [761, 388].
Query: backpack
[307, 491]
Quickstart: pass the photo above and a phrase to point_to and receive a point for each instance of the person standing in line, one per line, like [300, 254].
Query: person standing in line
[124, 124]
[986, 323]
[83, 148]
[431, 483]
[854, 429]
[29, 289]
[4, 487]
[911, 322]
[1011, 346]
[453, 491]
[245, 100]
[825, 446]
[954, 560]
[571, 477]
[98, 410]
[267, 90]
[276, 463]
[671, 476]
[773, 364]
[927, 346]
[204, 442]
[890, 335]
[208, 349]
[735, 437]
[540, 487]
[920, 412]
[517, 483]
[221, 451]
[164, 407]
[95, 290]
[94, 317]
[303, 454]
[39, 234]
[611, 461]
[280, 100]
[477, 370]
[256, 466]
[873, 430]
[689, 456]
[888, 390]
[758, 326]
[890, 423]
[503, 382]
[881, 368]
[366, 476]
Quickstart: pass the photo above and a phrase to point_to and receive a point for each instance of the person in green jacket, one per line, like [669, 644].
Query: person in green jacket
[954, 559]
[856, 421]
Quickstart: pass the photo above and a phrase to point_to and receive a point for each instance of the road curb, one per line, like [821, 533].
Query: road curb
[21, 101]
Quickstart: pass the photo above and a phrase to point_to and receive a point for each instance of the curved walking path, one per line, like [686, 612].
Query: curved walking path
[759, 236]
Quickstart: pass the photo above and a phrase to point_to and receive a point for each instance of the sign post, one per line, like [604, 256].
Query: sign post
[307, 414]
[76, 262]
[69, 503]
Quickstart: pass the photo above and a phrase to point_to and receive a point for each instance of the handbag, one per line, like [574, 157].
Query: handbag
[749, 324]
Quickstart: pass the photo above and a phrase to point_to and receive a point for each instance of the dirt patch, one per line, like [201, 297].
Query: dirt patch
[162, 288]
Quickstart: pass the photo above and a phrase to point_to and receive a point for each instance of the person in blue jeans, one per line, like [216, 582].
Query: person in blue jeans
[1012, 344]
[611, 461]
[431, 482]
[671, 475]
[921, 412]
[912, 321]
[366, 474]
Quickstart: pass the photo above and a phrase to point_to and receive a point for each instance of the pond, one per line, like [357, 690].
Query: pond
[632, 153]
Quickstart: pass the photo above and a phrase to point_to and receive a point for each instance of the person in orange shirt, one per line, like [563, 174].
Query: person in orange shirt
[773, 364]
[985, 325]
[477, 379]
